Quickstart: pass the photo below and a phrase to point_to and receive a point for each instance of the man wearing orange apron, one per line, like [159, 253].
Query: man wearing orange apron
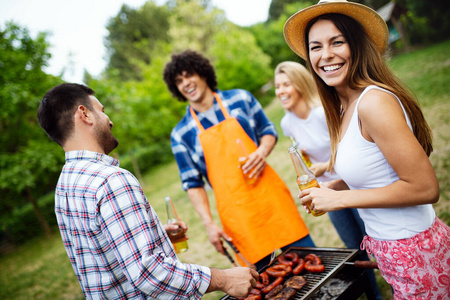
[208, 142]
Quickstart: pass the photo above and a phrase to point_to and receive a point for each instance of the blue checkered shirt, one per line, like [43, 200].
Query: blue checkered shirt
[186, 145]
[114, 239]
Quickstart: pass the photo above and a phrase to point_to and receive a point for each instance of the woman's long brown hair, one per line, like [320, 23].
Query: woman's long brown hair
[368, 67]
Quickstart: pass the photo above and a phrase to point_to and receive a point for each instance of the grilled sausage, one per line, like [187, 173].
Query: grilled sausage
[255, 292]
[279, 270]
[259, 285]
[253, 297]
[299, 267]
[310, 267]
[290, 259]
[264, 278]
[314, 258]
[271, 286]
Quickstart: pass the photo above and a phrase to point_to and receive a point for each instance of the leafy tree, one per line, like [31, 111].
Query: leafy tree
[269, 35]
[428, 22]
[146, 110]
[193, 25]
[132, 37]
[276, 8]
[28, 162]
[238, 61]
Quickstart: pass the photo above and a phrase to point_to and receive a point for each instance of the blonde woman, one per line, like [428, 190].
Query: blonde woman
[305, 122]
[380, 143]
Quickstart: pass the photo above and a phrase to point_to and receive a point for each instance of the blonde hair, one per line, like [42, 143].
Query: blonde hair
[302, 80]
[368, 68]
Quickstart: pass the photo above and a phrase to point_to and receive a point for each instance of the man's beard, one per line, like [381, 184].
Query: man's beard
[106, 139]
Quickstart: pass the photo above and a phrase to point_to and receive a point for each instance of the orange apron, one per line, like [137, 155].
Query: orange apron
[258, 217]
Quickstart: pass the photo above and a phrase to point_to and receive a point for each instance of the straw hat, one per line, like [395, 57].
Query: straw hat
[371, 21]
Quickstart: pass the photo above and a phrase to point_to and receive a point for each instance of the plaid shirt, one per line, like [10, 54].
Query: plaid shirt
[114, 239]
[186, 145]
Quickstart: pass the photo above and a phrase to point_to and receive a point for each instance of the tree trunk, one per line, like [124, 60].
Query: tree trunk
[137, 171]
[398, 25]
[37, 211]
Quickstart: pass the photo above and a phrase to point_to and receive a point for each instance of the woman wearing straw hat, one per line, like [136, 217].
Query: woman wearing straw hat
[305, 122]
[380, 143]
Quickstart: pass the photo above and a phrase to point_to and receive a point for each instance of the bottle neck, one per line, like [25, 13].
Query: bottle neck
[299, 165]
[170, 208]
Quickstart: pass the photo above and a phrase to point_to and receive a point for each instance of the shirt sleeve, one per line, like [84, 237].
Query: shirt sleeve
[190, 175]
[285, 128]
[263, 125]
[141, 245]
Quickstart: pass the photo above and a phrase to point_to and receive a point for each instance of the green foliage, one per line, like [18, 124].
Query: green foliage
[276, 8]
[28, 163]
[22, 82]
[429, 81]
[194, 25]
[143, 109]
[428, 22]
[270, 39]
[39, 269]
[238, 61]
[22, 224]
[133, 34]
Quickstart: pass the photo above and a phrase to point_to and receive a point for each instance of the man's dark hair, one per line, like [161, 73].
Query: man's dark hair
[55, 112]
[193, 63]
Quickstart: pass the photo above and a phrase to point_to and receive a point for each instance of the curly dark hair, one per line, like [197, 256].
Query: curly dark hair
[193, 63]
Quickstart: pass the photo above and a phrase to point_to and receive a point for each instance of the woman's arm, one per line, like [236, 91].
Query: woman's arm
[382, 121]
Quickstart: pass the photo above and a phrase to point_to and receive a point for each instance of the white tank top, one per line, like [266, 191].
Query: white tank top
[361, 165]
[312, 134]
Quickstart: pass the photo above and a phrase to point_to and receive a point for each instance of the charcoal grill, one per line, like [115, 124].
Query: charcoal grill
[339, 281]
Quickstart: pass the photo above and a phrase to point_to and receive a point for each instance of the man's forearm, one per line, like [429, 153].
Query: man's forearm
[267, 144]
[236, 282]
[200, 201]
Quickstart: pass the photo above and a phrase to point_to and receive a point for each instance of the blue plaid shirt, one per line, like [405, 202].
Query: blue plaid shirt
[114, 239]
[186, 145]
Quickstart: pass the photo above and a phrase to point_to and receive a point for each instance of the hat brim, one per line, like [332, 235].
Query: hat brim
[372, 22]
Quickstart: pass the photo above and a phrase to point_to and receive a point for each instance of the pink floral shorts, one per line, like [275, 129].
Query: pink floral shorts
[417, 267]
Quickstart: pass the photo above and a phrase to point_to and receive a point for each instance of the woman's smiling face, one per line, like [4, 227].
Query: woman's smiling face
[329, 53]
[286, 91]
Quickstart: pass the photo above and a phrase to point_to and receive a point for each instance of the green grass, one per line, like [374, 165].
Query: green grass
[41, 269]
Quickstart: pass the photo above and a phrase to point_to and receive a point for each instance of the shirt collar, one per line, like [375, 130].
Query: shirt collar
[217, 91]
[89, 155]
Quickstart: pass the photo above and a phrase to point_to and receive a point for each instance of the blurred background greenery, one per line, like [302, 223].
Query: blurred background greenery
[140, 41]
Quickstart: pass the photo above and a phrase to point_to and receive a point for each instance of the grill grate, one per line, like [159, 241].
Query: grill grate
[332, 258]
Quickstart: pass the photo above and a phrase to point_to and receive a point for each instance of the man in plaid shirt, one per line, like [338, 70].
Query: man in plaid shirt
[115, 241]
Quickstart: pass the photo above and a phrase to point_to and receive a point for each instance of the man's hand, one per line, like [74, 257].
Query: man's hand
[255, 164]
[215, 233]
[236, 282]
[175, 226]
[257, 160]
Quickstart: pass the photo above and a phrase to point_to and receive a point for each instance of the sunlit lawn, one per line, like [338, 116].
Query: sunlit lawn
[41, 269]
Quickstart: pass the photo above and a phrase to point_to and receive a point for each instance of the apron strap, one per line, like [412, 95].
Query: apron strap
[194, 115]
[224, 112]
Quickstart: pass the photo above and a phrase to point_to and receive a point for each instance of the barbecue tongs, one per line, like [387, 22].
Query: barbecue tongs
[236, 250]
